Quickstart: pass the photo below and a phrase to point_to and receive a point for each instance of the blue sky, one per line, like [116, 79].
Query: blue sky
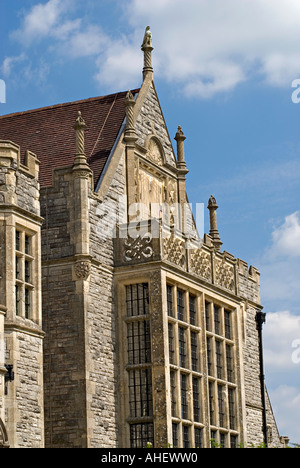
[224, 72]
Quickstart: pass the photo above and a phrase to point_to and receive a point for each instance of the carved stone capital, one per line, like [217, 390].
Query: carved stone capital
[82, 270]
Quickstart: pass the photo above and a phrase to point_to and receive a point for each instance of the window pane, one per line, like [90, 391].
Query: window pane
[207, 315]
[137, 299]
[229, 362]
[27, 245]
[227, 319]
[18, 302]
[18, 240]
[217, 320]
[27, 303]
[173, 394]
[186, 436]
[196, 399]
[182, 347]
[141, 435]
[170, 301]
[219, 360]
[194, 351]
[139, 346]
[140, 393]
[221, 406]
[175, 435]
[184, 400]
[232, 408]
[171, 344]
[192, 306]
[198, 438]
[180, 305]
[209, 356]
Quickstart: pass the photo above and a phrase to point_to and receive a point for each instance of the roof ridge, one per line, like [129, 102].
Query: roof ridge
[64, 104]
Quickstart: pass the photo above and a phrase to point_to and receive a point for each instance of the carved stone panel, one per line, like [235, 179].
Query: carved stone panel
[155, 153]
[174, 250]
[200, 263]
[224, 274]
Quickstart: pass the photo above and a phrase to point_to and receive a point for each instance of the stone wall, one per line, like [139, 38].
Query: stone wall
[63, 319]
[22, 409]
[101, 333]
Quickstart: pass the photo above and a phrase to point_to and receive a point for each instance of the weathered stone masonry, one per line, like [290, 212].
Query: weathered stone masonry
[117, 340]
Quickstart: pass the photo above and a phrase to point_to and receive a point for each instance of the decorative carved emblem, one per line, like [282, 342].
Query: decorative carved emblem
[83, 270]
[139, 248]
[200, 263]
[154, 153]
[224, 274]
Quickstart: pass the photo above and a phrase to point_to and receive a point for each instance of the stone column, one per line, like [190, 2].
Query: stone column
[214, 233]
[160, 353]
[130, 138]
[182, 172]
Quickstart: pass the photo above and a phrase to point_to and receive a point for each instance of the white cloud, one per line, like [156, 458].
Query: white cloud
[205, 46]
[280, 270]
[280, 333]
[211, 45]
[280, 265]
[41, 21]
[9, 63]
[286, 238]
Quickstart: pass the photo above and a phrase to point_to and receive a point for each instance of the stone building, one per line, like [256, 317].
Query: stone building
[119, 325]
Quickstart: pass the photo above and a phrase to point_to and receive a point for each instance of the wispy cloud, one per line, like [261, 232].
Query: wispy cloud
[280, 270]
[204, 46]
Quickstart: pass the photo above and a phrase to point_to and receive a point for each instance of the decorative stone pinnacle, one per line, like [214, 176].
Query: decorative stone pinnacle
[147, 41]
[147, 49]
[79, 127]
[180, 138]
[129, 103]
[214, 233]
[212, 202]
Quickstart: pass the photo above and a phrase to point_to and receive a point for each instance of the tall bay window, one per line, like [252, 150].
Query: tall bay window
[184, 333]
[139, 365]
[220, 346]
[24, 274]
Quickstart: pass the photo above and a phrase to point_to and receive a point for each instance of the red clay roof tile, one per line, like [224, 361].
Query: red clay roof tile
[48, 132]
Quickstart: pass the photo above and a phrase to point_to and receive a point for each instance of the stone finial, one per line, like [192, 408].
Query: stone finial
[147, 49]
[129, 102]
[214, 233]
[79, 127]
[147, 38]
[180, 138]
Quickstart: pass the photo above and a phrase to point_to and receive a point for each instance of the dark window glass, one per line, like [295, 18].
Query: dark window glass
[227, 319]
[180, 304]
[194, 351]
[192, 307]
[196, 399]
[182, 347]
[139, 346]
[137, 299]
[170, 301]
[141, 435]
[184, 400]
[140, 393]
[217, 320]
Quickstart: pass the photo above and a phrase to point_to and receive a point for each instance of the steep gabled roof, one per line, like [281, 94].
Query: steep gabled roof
[48, 132]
